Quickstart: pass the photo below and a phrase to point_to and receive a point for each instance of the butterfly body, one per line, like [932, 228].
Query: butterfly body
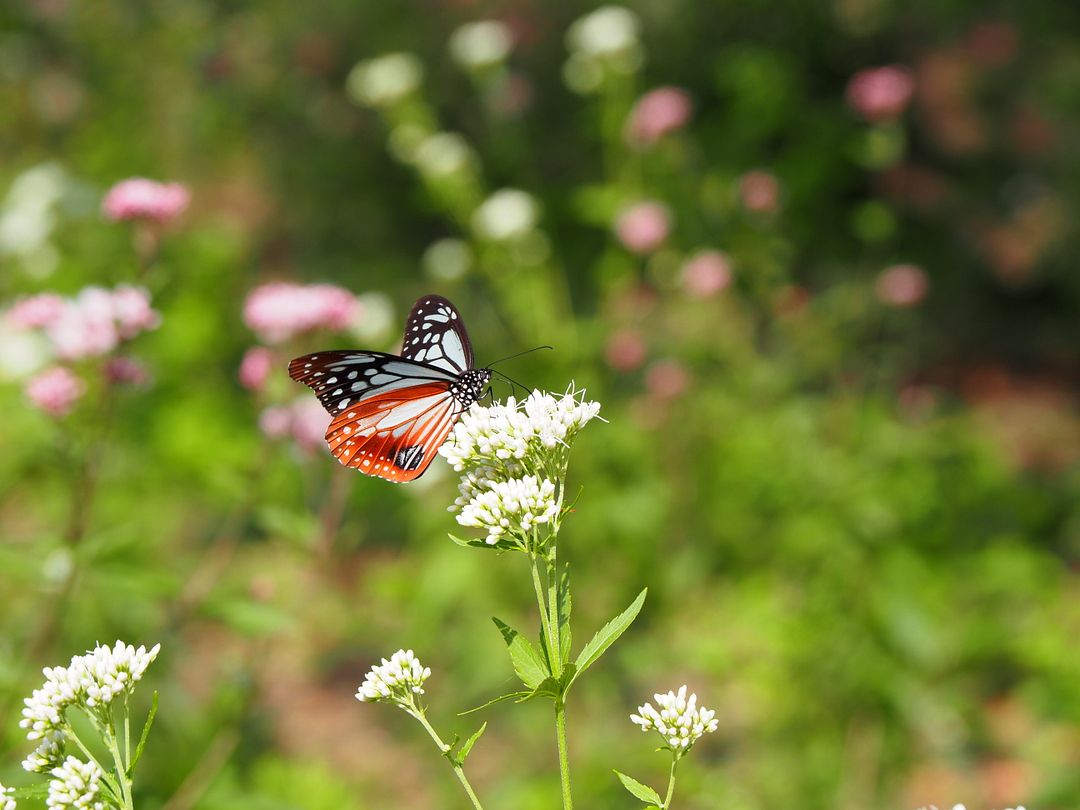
[391, 413]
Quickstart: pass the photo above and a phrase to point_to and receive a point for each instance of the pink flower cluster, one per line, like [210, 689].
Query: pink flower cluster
[91, 324]
[281, 310]
[706, 273]
[881, 94]
[55, 390]
[139, 198]
[657, 113]
[760, 192]
[902, 285]
[255, 368]
[303, 419]
[643, 228]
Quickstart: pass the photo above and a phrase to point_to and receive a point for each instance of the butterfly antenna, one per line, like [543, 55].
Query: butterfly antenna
[519, 354]
[514, 384]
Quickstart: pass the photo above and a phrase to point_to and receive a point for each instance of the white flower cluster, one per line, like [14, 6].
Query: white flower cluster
[76, 784]
[602, 42]
[680, 721]
[48, 754]
[395, 681]
[526, 432]
[6, 802]
[480, 45]
[92, 681]
[386, 80]
[511, 507]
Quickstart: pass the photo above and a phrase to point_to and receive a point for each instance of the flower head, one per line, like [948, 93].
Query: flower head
[91, 681]
[760, 191]
[507, 214]
[643, 227]
[657, 113]
[35, 312]
[139, 198]
[256, 366]
[480, 45]
[680, 721]
[6, 802]
[881, 94]
[48, 755]
[609, 31]
[76, 784]
[281, 310]
[902, 285]
[511, 508]
[706, 273]
[384, 81]
[55, 391]
[399, 681]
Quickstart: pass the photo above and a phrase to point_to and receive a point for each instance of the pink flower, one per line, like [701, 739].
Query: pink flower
[281, 310]
[760, 192]
[881, 94]
[126, 370]
[304, 420]
[55, 391]
[256, 366]
[903, 285]
[666, 379]
[132, 312]
[139, 198]
[643, 227]
[35, 312]
[625, 350]
[706, 273]
[657, 113]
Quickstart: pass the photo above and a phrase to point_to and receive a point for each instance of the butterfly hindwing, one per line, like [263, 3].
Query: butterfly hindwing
[343, 378]
[435, 334]
[394, 435]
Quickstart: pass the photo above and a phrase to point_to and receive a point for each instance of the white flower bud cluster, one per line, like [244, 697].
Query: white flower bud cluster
[92, 681]
[511, 507]
[6, 802]
[602, 42]
[508, 214]
[395, 681]
[481, 45]
[680, 721]
[386, 80]
[76, 784]
[48, 754]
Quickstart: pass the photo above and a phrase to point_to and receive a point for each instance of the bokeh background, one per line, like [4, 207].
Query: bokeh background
[824, 284]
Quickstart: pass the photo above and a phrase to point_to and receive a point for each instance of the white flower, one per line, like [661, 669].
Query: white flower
[513, 507]
[395, 681]
[526, 432]
[608, 31]
[90, 680]
[6, 802]
[384, 81]
[47, 755]
[442, 154]
[679, 721]
[480, 45]
[507, 214]
[75, 784]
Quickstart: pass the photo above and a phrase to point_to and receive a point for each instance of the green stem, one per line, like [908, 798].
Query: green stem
[671, 781]
[459, 772]
[553, 609]
[70, 732]
[545, 618]
[121, 769]
[564, 756]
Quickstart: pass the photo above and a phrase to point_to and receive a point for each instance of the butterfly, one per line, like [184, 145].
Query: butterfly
[391, 413]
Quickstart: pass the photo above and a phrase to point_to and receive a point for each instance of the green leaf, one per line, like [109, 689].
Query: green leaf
[549, 687]
[142, 737]
[469, 543]
[469, 743]
[499, 699]
[528, 663]
[564, 607]
[609, 633]
[638, 790]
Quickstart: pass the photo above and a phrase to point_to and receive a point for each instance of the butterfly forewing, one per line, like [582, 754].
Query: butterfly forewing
[435, 334]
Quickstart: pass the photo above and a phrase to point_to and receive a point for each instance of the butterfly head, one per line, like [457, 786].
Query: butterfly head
[470, 386]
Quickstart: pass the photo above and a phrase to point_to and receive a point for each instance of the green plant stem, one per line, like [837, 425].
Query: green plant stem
[121, 769]
[564, 757]
[553, 609]
[671, 782]
[444, 749]
[550, 636]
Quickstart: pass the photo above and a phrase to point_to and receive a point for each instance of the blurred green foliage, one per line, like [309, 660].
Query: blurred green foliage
[857, 522]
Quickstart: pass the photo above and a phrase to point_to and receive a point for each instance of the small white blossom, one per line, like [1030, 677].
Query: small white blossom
[607, 31]
[507, 214]
[395, 681]
[680, 721]
[6, 802]
[75, 784]
[480, 45]
[518, 432]
[513, 507]
[48, 754]
[91, 680]
[442, 154]
[386, 80]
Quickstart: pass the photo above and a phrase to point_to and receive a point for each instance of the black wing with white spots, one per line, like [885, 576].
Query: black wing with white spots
[435, 335]
[342, 378]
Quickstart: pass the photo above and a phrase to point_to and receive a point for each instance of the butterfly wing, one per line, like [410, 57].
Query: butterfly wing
[394, 435]
[435, 335]
[344, 378]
